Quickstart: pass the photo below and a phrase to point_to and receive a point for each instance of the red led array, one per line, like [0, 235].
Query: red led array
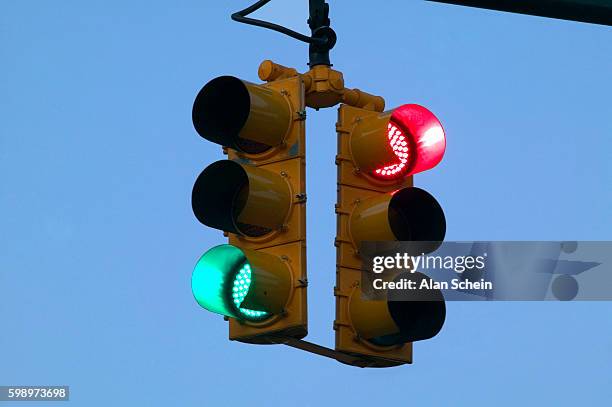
[401, 148]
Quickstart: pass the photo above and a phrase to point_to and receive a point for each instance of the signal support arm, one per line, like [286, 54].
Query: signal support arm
[324, 87]
[585, 11]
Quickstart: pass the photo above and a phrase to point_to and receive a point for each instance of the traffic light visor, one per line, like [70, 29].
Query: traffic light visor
[240, 198]
[409, 214]
[409, 316]
[241, 115]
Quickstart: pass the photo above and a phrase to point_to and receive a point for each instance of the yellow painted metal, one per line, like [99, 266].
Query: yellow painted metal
[363, 100]
[370, 147]
[352, 341]
[270, 117]
[287, 244]
[270, 71]
[370, 220]
[270, 282]
[348, 250]
[324, 87]
[293, 319]
[355, 188]
[317, 88]
[266, 201]
[293, 145]
[371, 319]
[361, 215]
[348, 170]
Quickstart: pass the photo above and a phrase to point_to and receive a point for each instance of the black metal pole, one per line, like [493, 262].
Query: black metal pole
[319, 24]
[586, 11]
[322, 39]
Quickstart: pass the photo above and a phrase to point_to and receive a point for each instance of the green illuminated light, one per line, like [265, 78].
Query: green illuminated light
[221, 281]
[242, 282]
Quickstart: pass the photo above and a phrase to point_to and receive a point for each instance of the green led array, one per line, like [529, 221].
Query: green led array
[240, 289]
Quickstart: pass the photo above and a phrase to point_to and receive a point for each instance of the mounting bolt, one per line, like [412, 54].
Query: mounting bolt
[301, 197]
[301, 115]
[283, 174]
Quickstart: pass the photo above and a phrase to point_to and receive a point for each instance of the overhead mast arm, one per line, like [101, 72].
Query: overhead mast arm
[585, 11]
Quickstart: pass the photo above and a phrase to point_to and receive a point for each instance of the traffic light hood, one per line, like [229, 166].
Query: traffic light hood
[409, 214]
[240, 199]
[414, 315]
[241, 115]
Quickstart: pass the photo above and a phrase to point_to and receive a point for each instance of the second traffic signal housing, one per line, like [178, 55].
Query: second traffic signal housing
[377, 155]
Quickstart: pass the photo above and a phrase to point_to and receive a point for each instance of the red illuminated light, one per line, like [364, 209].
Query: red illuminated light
[416, 138]
[399, 143]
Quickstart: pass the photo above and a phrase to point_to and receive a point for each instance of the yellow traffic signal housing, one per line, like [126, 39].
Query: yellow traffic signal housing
[377, 155]
[257, 197]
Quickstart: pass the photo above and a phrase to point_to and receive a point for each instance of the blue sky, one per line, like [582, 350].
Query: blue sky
[98, 157]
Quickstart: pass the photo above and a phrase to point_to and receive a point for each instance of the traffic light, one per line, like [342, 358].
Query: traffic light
[377, 155]
[257, 197]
